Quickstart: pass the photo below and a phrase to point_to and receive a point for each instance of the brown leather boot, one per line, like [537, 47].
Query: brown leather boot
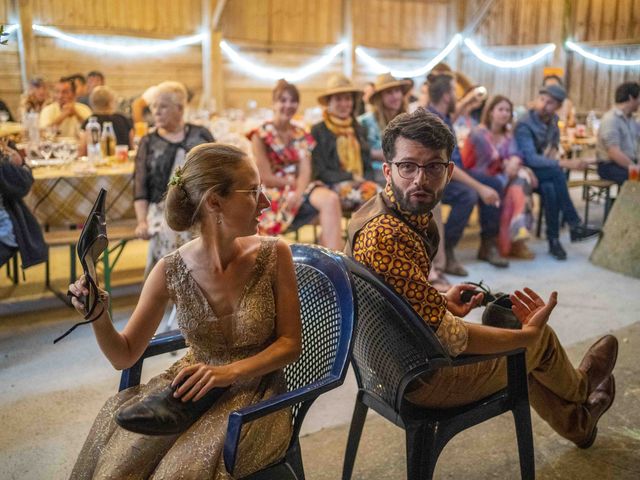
[597, 404]
[452, 266]
[599, 361]
[520, 250]
[489, 253]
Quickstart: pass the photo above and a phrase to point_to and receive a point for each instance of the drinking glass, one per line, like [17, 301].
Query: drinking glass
[59, 151]
[72, 151]
[46, 149]
[4, 117]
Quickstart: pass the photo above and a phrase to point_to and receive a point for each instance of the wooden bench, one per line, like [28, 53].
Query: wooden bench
[119, 234]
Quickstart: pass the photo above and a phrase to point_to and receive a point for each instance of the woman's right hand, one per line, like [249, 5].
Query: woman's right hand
[142, 230]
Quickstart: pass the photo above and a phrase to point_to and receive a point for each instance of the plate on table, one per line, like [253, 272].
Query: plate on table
[41, 162]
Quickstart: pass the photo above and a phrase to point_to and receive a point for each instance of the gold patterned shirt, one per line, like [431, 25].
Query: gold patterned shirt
[395, 251]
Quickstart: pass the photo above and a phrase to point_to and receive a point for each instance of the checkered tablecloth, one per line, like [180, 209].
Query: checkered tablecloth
[61, 197]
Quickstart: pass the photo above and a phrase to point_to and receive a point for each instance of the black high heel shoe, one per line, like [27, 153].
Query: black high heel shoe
[91, 243]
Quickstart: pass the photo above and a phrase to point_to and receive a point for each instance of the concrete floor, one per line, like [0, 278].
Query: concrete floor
[52, 392]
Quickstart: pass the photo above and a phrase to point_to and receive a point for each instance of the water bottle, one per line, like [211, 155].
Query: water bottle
[591, 123]
[108, 140]
[94, 152]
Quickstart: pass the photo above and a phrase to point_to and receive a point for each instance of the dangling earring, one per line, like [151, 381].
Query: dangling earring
[219, 221]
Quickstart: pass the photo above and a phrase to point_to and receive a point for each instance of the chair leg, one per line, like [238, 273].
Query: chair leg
[524, 434]
[294, 461]
[423, 449]
[540, 217]
[355, 432]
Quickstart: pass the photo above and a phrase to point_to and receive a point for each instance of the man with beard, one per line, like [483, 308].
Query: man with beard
[464, 191]
[394, 235]
[537, 135]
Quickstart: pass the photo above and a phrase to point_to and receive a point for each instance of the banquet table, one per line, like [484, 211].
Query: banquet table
[62, 196]
[10, 128]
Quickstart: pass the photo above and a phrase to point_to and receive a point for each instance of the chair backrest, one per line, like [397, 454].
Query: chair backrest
[327, 313]
[392, 344]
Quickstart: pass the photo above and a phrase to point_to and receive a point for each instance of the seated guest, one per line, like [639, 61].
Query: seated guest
[94, 79]
[464, 191]
[619, 135]
[36, 98]
[103, 104]
[5, 108]
[387, 100]
[19, 230]
[490, 155]
[65, 115]
[159, 154]
[341, 157]
[237, 307]
[396, 228]
[537, 136]
[567, 112]
[282, 151]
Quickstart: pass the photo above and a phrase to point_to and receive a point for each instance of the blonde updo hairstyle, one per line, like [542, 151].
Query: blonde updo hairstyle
[176, 91]
[209, 167]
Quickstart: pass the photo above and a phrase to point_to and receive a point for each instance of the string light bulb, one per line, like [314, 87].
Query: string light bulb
[597, 58]
[378, 67]
[546, 50]
[267, 73]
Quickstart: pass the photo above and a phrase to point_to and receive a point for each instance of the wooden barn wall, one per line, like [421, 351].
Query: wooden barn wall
[605, 26]
[289, 33]
[10, 83]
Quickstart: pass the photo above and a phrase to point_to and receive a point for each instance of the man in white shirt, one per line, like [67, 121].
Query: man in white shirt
[65, 114]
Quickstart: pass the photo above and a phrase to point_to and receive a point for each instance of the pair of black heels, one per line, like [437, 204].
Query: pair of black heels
[91, 243]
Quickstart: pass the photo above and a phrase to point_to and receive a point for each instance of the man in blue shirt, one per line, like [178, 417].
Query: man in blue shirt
[464, 191]
[537, 135]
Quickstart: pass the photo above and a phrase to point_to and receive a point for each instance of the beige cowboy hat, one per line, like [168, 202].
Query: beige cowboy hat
[338, 83]
[385, 81]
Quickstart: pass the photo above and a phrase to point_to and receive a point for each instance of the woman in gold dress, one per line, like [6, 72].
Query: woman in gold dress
[234, 308]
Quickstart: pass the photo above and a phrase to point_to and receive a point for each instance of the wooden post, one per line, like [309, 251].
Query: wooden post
[560, 55]
[26, 40]
[217, 67]
[206, 53]
[347, 29]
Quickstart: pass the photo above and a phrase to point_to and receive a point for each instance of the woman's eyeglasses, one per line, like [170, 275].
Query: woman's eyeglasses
[433, 170]
[256, 191]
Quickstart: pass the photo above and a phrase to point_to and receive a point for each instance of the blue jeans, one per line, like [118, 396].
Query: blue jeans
[612, 171]
[552, 185]
[461, 199]
[489, 214]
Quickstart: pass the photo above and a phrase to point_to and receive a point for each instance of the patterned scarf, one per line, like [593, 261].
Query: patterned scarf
[418, 221]
[346, 142]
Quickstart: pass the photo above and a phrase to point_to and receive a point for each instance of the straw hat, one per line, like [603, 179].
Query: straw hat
[338, 83]
[386, 81]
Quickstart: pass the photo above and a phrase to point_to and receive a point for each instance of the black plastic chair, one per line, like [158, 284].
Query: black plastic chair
[327, 311]
[392, 347]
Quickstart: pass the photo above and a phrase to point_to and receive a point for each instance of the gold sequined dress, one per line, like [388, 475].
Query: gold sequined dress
[111, 452]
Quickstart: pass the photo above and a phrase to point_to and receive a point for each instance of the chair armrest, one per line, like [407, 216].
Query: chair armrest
[469, 359]
[261, 409]
[159, 344]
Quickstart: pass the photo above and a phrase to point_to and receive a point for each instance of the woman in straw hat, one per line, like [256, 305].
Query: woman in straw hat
[388, 101]
[282, 152]
[341, 158]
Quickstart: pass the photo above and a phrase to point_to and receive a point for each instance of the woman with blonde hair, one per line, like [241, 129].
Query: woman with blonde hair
[235, 294]
[159, 154]
[103, 104]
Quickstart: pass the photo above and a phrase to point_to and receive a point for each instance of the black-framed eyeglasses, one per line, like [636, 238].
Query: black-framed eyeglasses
[256, 191]
[433, 170]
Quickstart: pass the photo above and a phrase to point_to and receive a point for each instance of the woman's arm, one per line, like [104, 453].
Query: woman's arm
[264, 167]
[530, 309]
[125, 348]
[284, 350]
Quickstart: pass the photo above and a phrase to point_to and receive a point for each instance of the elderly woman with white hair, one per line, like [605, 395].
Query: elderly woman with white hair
[160, 152]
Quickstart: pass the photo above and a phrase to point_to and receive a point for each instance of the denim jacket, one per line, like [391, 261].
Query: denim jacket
[533, 136]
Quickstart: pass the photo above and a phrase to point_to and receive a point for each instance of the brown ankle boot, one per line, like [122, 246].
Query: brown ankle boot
[489, 253]
[452, 266]
[519, 249]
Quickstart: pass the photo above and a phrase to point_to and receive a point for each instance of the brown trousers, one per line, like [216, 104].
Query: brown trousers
[557, 391]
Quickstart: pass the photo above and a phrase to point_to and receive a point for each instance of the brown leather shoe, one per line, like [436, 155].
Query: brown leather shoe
[599, 361]
[520, 250]
[598, 403]
[488, 252]
[452, 266]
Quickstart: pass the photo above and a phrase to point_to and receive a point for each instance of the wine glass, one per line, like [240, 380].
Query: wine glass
[59, 151]
[72, 151]
[4, 117]
[46, 149]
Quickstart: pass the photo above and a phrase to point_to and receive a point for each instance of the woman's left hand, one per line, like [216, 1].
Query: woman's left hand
[198, 379]
[511, 166]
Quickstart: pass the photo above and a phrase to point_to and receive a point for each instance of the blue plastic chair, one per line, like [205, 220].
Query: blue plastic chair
[392, 347]
[327, 312]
